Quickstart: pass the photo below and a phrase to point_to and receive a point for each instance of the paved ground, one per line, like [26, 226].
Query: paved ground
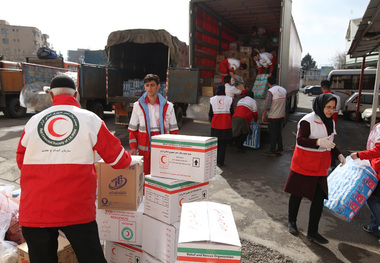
[252, 184]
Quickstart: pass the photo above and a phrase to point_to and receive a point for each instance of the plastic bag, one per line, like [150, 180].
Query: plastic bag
[8, 252]
[349, 188]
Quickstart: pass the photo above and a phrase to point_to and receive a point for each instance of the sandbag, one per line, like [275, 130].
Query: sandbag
[349, 188]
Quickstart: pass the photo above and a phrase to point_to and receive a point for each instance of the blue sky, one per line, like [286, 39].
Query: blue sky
[321, 24]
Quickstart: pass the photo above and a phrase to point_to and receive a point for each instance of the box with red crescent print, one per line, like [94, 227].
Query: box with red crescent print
[183, 157]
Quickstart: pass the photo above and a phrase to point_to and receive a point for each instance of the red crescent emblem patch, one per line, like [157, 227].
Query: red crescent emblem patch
[51, 127]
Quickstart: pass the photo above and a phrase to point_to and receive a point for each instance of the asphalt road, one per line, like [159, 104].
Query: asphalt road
[253, 185]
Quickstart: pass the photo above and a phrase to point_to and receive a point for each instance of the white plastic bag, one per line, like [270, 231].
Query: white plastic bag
[8, 252]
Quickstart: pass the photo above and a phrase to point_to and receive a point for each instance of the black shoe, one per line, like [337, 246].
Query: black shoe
[368, 229]
[292, 227]
[317, 238]
[279, 151]
[270, 154]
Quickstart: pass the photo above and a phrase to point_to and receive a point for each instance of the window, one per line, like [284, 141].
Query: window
[5, 41]
[4, 31]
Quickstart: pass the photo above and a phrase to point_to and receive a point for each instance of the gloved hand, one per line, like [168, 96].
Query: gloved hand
[326, 143]
[136, 159]
[341, 159]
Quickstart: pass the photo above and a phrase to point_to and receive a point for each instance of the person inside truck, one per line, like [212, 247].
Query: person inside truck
[152, 115]
[265, 62]
[58, 179]
[229, 66]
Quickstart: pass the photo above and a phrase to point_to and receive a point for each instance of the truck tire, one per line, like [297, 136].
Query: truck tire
[97, 108]
[179, 116]
[14, 109]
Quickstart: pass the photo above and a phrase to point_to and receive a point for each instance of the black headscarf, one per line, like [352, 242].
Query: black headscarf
[319, 104]
[220, 90]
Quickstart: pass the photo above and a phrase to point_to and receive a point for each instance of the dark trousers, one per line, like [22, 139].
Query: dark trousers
[239, 140]
[221, 152]
[274, 127]
[84, 238]
[315, 212]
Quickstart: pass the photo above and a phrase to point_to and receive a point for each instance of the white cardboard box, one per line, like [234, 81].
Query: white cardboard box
[121, 226]
[122, 253]
[149, 258]
[160, 239]
[164, 197]
[208, 231]
[183, 157]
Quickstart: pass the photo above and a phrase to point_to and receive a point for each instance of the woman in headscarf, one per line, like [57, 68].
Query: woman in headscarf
[310, 163]
[221, 121]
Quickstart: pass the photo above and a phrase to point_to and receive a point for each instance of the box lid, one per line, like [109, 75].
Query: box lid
[183, 139]
[218, 226]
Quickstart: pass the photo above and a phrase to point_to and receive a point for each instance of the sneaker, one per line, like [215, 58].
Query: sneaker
[317, 238]
[270, 154]
[369, 230]
[292, 227]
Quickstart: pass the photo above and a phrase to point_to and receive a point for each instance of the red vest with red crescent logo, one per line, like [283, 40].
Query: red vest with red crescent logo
[221, 106]
[312, 161]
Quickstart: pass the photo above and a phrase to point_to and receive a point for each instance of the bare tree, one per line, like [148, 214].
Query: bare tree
[339, 59]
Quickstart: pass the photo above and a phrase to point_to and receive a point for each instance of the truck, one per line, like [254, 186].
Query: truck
[23, 78]
[28, 78]
[238, 26]
[134, 53]
[10, 86]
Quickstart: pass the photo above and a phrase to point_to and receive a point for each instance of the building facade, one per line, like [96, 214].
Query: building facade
[19, 42]
[370, 61]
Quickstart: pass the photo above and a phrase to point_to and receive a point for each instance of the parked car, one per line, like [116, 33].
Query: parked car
[367, 115]
[312, 90]
[349, 110]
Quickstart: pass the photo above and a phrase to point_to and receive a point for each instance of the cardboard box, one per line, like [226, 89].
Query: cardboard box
[120, 189]
[207, 91]
[218, 79]
[208, 232]
[159, 239]
[120, 226]
[247, 50]
[122, 253]
[147, 258]
[231, 53]
[183, 157]
[233, 46]
[65, 252]
[164, 197]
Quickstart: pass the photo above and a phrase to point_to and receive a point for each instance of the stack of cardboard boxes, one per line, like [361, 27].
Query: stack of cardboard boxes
[120, 210]
[139, 228]
[248, 76]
